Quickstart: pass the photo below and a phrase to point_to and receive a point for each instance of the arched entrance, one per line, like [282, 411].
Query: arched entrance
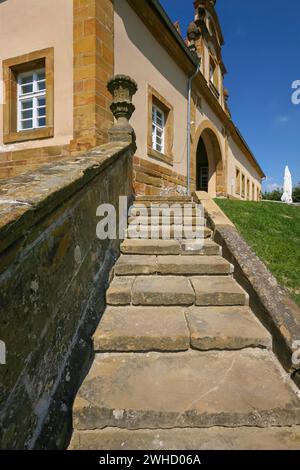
[210, 172]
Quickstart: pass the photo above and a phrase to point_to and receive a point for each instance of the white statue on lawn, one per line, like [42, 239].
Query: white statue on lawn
[287, 187]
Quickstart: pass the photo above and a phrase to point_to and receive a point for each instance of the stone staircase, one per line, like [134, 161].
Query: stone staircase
[181, 362]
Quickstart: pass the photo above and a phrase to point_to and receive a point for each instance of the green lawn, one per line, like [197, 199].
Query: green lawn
[273, 231]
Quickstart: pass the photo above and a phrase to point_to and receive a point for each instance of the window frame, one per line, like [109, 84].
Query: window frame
[155, 100]
[12, 68]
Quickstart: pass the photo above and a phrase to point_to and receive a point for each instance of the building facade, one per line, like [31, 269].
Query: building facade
[55, 70]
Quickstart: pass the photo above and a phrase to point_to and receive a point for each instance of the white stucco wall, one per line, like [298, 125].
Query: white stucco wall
[139, 54]
[30, 25]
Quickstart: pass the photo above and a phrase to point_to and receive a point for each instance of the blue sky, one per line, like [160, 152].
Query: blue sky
[262, 56]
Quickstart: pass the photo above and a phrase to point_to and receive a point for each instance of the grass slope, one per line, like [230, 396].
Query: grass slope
[273, 231]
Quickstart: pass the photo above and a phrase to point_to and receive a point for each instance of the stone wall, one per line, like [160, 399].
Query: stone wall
[53, 277]
[152, 179]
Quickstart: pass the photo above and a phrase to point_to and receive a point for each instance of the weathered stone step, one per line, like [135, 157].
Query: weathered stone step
[130, 265]
[142, 329]
[155, 209]
[168, 198]
[119, 291]
[175, 290]
[150, 247]
[218, 291]
[226, 328]
[176, 232]
[162, 290]
[189, 389]
[215, 438]
[160, 220]
[170, 247]
[200, 247]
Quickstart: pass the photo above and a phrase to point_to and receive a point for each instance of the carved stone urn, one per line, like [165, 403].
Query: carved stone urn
[122, 89]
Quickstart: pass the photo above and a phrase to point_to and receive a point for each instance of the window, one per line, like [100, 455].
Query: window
[158, 129]
[248, 189]
[32, 100]
[243, 185]
[214, 76]
[212, 71]
[160, 132]
[28, 112]
[253, 192]
[238, 181]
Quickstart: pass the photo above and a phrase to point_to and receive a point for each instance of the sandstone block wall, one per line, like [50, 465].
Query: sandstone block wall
[53, 276]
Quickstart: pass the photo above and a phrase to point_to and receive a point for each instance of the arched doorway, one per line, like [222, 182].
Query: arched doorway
[210, 174]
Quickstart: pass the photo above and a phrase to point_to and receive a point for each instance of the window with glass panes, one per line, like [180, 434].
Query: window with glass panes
[32, 100]
[158, 129]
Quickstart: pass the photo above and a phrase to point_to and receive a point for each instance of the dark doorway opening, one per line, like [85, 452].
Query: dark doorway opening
[202, 167]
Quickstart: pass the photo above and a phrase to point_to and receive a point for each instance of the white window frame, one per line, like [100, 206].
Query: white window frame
[157, 129]
[35, 95]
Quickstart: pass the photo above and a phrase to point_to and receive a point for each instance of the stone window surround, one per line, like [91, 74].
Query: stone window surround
[11, 68]
[155, 98]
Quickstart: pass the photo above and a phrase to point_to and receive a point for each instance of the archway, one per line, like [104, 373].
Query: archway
[210, 171]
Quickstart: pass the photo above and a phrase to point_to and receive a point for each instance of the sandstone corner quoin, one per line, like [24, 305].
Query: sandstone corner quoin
[96, 108]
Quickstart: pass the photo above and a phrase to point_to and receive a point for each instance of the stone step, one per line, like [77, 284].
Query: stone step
[142, 329]
[186, 389]
[119, 291]
[150, 209]
[160, 220]
[177, 232]
[151, 247]
[162, 290]
[167, 198]
[170, 247]
[225, 328]
[131, 265]
[215, 438]
[200, 247]
[218, 291]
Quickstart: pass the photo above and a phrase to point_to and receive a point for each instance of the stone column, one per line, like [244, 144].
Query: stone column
[122, 89]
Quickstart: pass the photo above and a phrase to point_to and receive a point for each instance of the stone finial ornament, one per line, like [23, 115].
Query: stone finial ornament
[122, 88]
[193, 31]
